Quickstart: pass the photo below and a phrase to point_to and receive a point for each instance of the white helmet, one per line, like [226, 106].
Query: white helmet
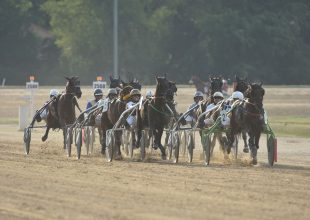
[54, 92]
[237, 95]
[198, 93]
[149, 94]
[218, 94]
[112, 91]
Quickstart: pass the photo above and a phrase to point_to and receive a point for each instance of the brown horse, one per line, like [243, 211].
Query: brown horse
[155, 114]
[249, 116]
[62, 112]
[241, 85]
[111, 116]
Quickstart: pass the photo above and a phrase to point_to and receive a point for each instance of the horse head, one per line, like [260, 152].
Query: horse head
[255, 93]
[162, 86]
[216, 84]
[73, 86]
[172, 89]
[241, 84]
[117, 82]
[135, 84]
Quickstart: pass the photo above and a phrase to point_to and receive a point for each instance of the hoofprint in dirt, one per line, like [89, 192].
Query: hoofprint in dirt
[48, 185]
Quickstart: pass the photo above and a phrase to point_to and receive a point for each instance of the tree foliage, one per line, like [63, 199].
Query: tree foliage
[264, 40]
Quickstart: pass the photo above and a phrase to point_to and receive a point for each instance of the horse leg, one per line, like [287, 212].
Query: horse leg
[253, 148]
[118, 136]
[46, 134]
[100, 135]
[157, 141]
[64, 131]
[244, 137]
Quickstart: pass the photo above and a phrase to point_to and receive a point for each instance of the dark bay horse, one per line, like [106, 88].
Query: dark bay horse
[241, 85]
[116, 82]
[62, 112]
[111, 116]
[155, 115]
[249, 116]
[133, 83]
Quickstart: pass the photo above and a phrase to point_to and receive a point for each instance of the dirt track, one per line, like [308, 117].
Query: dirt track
[48, 185]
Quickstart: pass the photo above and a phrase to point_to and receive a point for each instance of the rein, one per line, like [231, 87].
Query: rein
[159, 111]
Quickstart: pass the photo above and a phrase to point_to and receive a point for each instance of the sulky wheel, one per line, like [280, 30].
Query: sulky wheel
[169, 145]
[110, 142]
[91, 140]
[131, 144]
[176, 146]
[78, 142]
[126, 142]
[207, 150]
[190, 146]
[27, 139]
[142, 145]
[86, 139]
[271, 143]
[68, 140]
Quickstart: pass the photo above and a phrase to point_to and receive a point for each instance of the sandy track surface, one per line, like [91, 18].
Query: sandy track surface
[48, 185]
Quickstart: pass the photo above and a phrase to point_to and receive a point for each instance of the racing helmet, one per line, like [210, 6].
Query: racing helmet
[198, 94]
[135, 92]
[218, 94]
[54, 92]
[237, 95]
[112, 91]
[98, 92]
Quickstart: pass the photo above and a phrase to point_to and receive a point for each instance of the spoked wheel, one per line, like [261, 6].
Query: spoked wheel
[190, 146]
[176, 146]
[271, 147]
[91, 140]
[126, 142]
[86, 139]
[183, 144]
[78, 142]
[68, 140]
[169, 145]
[207, 150]
[27, 139]
[110, 142]
[142, 145]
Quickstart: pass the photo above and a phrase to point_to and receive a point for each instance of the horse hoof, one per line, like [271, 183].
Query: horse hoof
[44, 138]
[118, 157]
[254, 161]
[163, 157]
[246, 150]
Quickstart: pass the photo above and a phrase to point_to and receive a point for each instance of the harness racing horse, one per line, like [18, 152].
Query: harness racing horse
[62, 112]
[249, 116]
[111, 116]
[155, 113]
[133, 83]
[241, 85]
[116, 83]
